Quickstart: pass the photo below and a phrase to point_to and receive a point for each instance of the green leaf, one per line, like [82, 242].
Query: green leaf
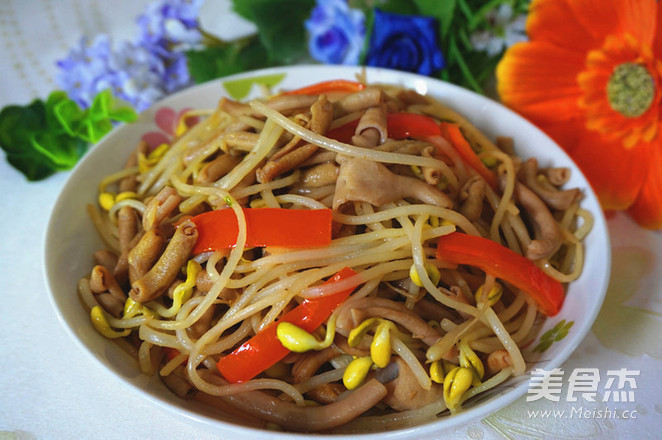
[123, 114]
[280, 26]
[466, 10]
[68, 114]
[443, 11]
[240, 88]
[554, 334]
[206, 64]
[406, 7]
[464, 65]
[559, 325]
[96, 129]
[32, 145]
[44, 137]
[105, 106]
[369, 25]
[101, 103]
[92, 124]
[61, 150]
[364, 5]
[562, 334]
[549, 334]
[33, 169]
[97, 121]
[219, 61]
[17, 123]
[543, 345]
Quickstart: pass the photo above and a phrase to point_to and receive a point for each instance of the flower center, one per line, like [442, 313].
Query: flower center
[630, 89]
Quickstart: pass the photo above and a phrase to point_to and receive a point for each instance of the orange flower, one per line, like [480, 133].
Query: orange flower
[591, 78]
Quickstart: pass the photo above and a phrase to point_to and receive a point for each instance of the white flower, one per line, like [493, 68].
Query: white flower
[506, 30]
[220, 20]
[175, 30]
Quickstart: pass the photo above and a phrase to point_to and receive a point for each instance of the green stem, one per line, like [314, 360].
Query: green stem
[466, 10]
[464, 38]
[466, 72]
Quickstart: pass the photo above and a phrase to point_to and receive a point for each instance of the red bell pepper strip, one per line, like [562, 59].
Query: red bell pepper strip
[502, 263]
[289, 228]
[171, 353]
[344, 132]
[411, 125]
[264, 349]
[335, 85]
[451, 132]
[399, 125]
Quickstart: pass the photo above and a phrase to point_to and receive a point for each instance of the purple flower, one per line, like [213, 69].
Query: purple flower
[140, 72]
[167, 29]
[84, 65]
[131, 72]
[405, 42]
[336, 32]
[137, 75]
[137, 60]
[176, 75]
[170, 24]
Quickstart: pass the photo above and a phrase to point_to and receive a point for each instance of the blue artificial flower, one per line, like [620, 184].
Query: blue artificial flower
[81, 69]
[170, 25]
[336, 32]
[132, 73]
[176, 75]
[137, 60]
[137, 75]
[167, 29]
[405, 42]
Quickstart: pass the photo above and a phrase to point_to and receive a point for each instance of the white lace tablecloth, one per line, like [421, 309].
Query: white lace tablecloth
[49, 389]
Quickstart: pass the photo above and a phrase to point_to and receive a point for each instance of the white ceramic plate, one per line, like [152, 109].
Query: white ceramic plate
[71, 239]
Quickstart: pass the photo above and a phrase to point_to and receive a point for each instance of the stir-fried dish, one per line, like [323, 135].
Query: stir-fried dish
[341, 257]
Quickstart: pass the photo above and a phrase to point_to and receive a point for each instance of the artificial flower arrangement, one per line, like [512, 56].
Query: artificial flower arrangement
[172, 51]
[587, 72]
